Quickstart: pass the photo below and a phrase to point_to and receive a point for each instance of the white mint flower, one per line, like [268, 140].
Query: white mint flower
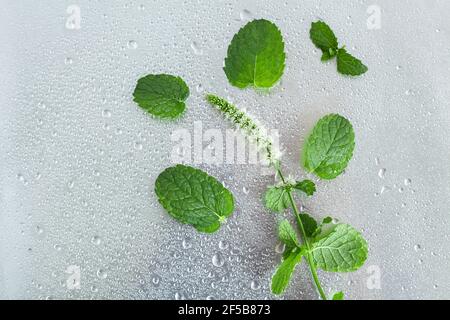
[254, 131]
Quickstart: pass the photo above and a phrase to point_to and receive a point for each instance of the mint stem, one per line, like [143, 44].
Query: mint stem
[309, 257]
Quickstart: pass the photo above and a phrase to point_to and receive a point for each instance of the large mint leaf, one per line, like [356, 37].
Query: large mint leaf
[193, 197]
[341, 250]
[162, 95]
[276, 199]
[283, 275]
[329, 147]
[255, 55]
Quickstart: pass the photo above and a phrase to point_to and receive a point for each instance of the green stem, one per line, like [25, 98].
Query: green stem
[309, 257]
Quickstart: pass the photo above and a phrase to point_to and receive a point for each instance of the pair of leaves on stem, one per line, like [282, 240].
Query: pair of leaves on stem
[333, 248]
[324, 39]
[277, 197]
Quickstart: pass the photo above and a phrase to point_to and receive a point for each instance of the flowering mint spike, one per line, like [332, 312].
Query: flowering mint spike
[254, 132]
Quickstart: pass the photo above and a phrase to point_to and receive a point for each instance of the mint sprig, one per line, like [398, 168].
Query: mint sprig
[324, 38]
[328, 246]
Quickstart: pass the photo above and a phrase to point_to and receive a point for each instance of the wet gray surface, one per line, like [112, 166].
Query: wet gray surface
[79, 158]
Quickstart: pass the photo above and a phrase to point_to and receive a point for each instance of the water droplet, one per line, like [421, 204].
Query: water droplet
[279, 248]
[245, 190]
[381, 173]
[218, 260]
[417, 247]
[156, 279]
[245, 15]
[96, 240]
[57, 247]
[210, 298]
[196, 48]
[106, 113]
[186, 244]
[254, 285]
[68, 61]
[199, 88]
[223, 245]
[138, 146]
[398, 67]
[132, 44]
[179, 296]
[401, 189]
[407, 182]
[102, 274]
[39, 230]
[70, 184]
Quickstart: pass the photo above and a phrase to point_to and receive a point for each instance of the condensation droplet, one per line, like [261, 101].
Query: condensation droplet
[96, 240]
[245, 15]
[106, 113]
[223, 245]
[68, 61]
[382, 173]
[132, 44]
[254, 285]
[407, 182]
[417, 247]
[196, 48]
[218, 260]
[102, 274]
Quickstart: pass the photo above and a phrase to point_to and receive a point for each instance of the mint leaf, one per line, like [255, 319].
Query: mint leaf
[338, 296]
[341, 250]
[349, 65]
[276, 199]
[162, 95]
[282, 276]
[287, 235]
[329, 147]
[255, 56]
[309, 224]
[193, 197]
[323, 37]
[306, 186]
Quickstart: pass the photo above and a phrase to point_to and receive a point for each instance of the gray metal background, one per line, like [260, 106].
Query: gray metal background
[79, 158]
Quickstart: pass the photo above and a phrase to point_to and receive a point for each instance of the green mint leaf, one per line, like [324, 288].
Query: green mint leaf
[349, 65]
[193, 197]
[341, 250]
[287, 235]
[282, 276]
[329, 147]
[255, 55]
[276, 199]
[309, 224]
[323, 37]
[162, 95]
[338, 296]
[327, 220]
[306, 186]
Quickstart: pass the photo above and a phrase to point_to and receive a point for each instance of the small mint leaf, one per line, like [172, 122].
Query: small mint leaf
[276, 199]
[338, 296]
[306, 186]
[349, 65]
[329, 147]
[283, 275]
[193, 197]
[287, 235]
[255, 56]
[309, 224]
[323, 37]
[161, 95]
